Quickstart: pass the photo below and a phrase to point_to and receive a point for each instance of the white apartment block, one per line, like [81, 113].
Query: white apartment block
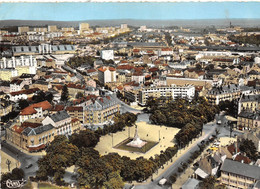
[170, 91]
[20, 61]
[107, 54]
[106, 74]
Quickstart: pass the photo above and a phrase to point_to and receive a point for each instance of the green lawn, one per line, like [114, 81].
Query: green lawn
[122, 146]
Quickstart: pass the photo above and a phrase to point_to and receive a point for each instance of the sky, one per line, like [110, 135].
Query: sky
[147, 11]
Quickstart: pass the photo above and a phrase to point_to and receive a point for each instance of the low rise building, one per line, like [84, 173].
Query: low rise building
[248, 120]
[23, 94]
[228, 92]
[37, 110]
[76, 112]
[63, 123]
[239, 175]
[249, 103]
[101, 110]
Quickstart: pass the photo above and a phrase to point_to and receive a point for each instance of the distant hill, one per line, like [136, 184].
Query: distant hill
[136, 23]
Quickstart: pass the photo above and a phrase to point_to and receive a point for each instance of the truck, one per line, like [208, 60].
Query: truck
[162, 181]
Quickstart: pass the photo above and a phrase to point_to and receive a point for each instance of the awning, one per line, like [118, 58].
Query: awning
[36, 148]
[229, 118]
[201, 173]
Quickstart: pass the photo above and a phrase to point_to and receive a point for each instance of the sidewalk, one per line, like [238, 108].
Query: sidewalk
[24, 151]
[14, 163]
[180, 153]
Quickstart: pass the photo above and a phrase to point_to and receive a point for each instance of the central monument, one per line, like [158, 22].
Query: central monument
[136, 142]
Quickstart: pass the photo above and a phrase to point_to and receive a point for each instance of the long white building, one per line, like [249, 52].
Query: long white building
[18, 61]
[173, 91]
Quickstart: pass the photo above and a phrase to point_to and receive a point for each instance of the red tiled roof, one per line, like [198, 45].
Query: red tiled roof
[136, 50]
[125, 67]
[102, 69]
[74, 120]
[72, 85]
[16, 81]
[30, 124]
[232, 149]
[74, 108]
[58, 108]
[91, 70]
[243, 159]
[18, 129]
[49, 60]
[45, 105]
[138, 74]
[153, 69]
[59, 87]
[198, 88]
[28, 91]
[112, 69]
[166, 49]
[120, 87]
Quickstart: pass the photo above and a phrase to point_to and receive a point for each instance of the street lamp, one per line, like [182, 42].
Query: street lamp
[8, 163]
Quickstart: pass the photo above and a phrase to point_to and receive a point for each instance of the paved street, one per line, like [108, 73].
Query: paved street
[24, 159]
[208, 130]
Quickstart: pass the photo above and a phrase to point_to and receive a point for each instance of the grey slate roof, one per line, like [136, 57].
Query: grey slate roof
[229, 89]
[61, 115]
[38, 130]
[249, 115]
[242, 169]
[250, 98]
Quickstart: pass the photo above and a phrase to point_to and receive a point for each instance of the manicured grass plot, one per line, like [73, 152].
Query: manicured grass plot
[123, 146]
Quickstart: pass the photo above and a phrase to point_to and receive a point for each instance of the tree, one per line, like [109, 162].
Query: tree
[115, 181]
[39, 97]
[16, 174]
[248, 147]
[64, 94]
[60, 154]
[23, 104]
[208, 183]
[79, 95]
[85, 138]
[198, 66]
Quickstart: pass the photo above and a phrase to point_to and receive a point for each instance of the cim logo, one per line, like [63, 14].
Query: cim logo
[15, 183]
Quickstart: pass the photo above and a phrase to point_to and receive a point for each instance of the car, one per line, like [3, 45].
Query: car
[132, 187]
[162, 181]
[29, 166]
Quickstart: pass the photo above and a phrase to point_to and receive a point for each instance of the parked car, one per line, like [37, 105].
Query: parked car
[29, 166]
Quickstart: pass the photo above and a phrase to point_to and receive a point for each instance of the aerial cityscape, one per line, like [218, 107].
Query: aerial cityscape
[130, 95]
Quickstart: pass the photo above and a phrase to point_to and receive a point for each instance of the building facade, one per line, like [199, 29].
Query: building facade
[101, 110]
[239, 175]
[168, 92]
